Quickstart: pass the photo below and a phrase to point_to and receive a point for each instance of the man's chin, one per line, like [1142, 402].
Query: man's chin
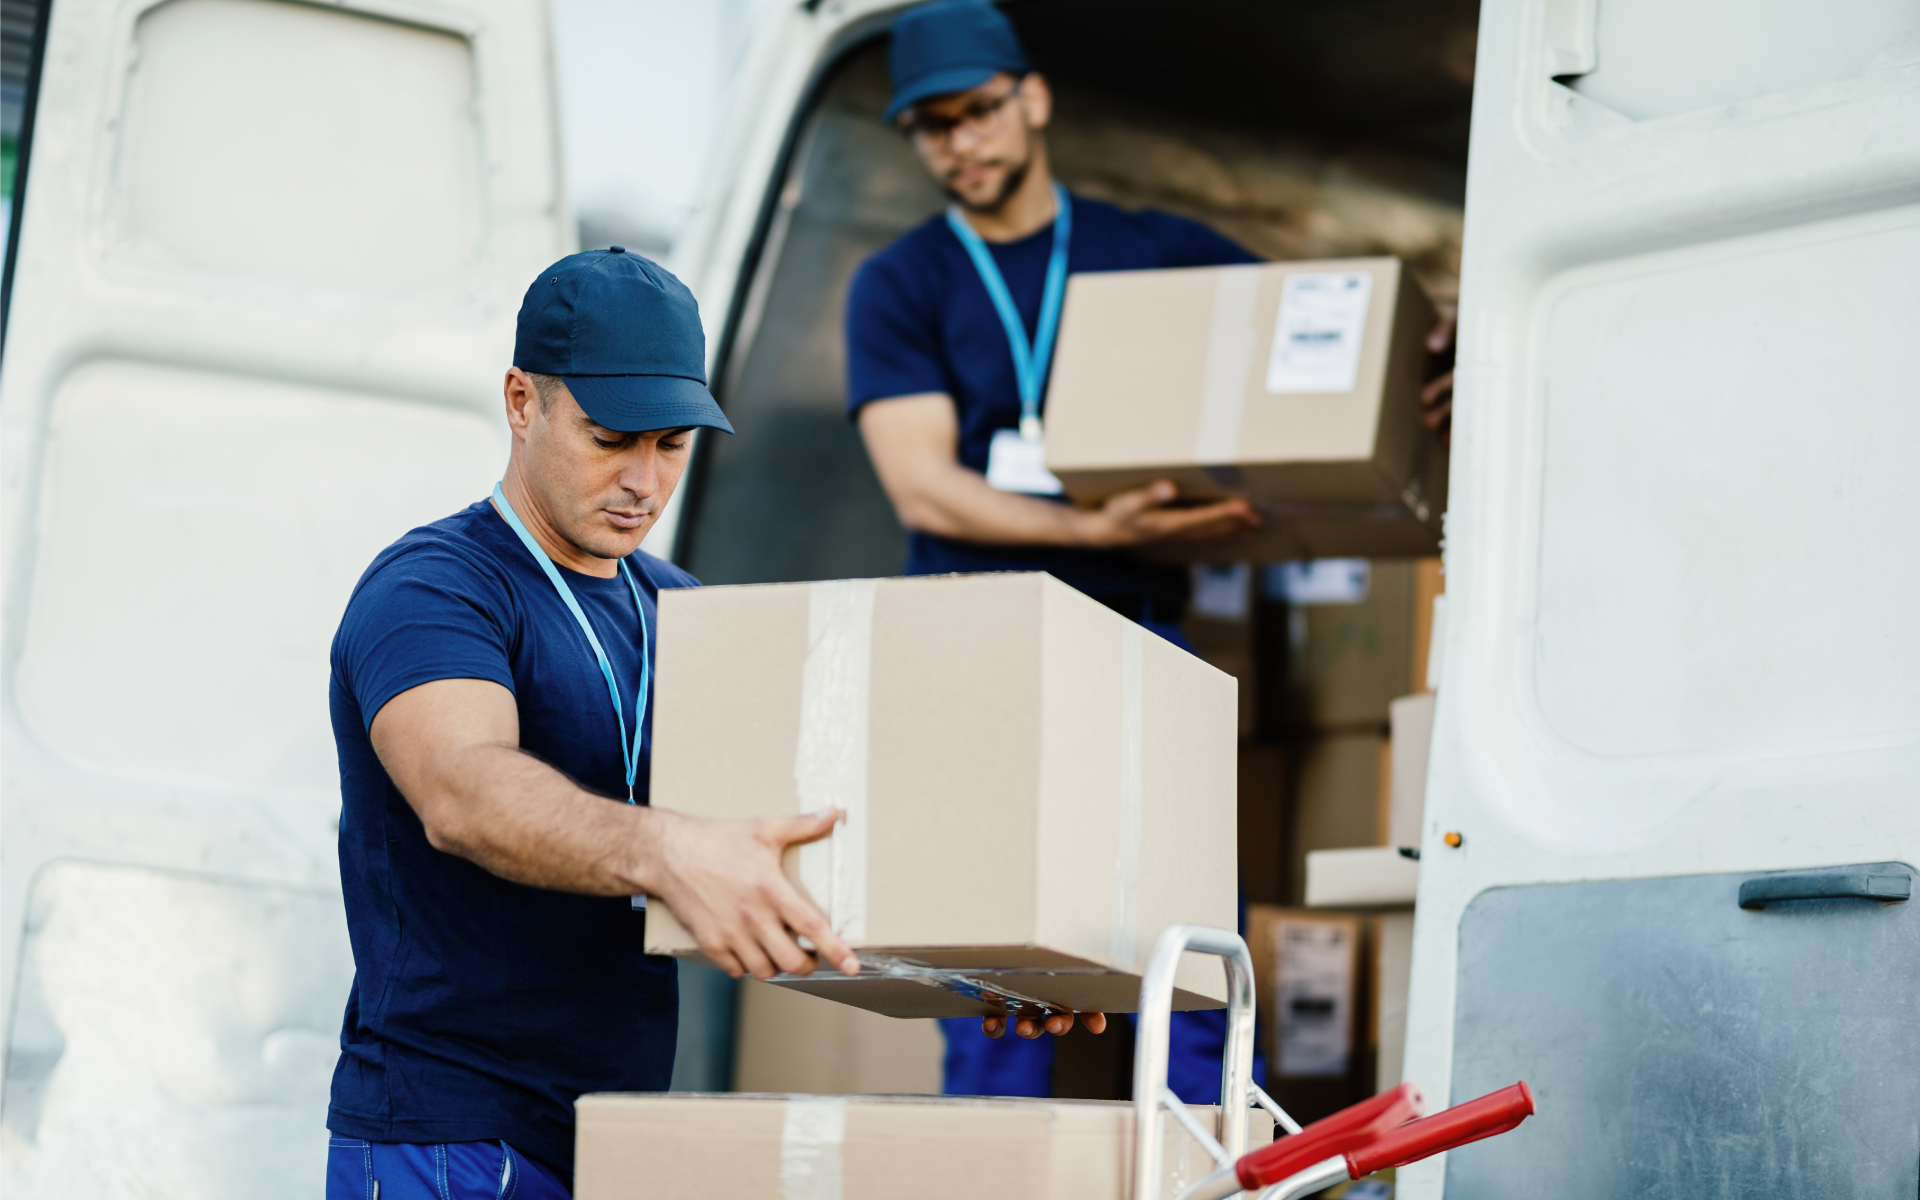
[612, 543]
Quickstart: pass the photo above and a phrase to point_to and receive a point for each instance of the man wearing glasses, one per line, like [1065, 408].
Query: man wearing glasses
[949, 332]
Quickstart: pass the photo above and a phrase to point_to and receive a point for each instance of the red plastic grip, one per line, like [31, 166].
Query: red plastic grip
[1495, 1112]
[1348, 1129]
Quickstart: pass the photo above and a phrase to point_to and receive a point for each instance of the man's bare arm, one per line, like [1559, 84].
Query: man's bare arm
[453, 748]
[913, 441]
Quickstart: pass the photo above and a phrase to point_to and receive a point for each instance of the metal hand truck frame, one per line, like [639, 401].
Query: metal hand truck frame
[1386, 1131]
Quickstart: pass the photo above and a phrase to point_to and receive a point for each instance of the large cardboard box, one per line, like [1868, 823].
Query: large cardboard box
[1295, 384]
[1307, 980]
[640, 1147]
[790, 1042]
[1034, 786]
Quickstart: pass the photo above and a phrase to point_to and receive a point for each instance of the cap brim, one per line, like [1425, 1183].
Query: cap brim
[939, 83]
[642, 403]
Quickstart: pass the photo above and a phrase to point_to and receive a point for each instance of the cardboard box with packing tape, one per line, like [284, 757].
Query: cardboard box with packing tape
[872, 1148]
[1034, 787]
[1294, 384]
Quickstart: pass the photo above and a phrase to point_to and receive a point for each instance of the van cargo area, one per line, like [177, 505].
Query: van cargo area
[1302, 131]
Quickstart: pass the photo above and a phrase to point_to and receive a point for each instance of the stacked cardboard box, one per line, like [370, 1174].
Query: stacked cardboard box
[1034, 787]
[787, 1041]
[1319, 774]
[639, 1147]
[1294, 384]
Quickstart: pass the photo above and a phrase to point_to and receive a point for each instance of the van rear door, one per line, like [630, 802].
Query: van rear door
[1680, 657]
[267, 273]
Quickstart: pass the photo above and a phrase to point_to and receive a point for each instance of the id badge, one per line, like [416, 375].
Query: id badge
[1018, 464]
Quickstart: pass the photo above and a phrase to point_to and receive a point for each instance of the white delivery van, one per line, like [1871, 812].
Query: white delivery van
[1678, 728]
[1675, 663]
[1679, 667]
[264, 288]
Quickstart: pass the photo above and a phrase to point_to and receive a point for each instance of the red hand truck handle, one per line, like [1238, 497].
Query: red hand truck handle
[1495, 1112]
[1348, 1129]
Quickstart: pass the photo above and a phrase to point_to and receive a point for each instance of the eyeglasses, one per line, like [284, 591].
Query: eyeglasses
[932, 129]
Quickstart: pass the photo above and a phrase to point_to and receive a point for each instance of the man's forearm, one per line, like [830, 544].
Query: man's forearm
[522, 820]
[951, 501]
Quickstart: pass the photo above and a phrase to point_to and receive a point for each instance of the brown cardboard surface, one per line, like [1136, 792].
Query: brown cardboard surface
[639, 1147]
[1429, 584]
[1352, 661]
[789, 1042]
[1263, 822]
[1146, 360]
[1336, 785]
[1228, 647]
[996, 772]
[1265, 924]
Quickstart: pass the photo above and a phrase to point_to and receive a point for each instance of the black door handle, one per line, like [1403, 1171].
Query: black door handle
[1825, 885]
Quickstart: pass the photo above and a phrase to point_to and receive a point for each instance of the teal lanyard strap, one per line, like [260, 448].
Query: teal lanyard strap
[1029, 362]
[629, 752]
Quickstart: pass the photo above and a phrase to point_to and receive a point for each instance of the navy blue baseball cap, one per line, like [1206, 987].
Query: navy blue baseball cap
[625, 335]
[949, 46]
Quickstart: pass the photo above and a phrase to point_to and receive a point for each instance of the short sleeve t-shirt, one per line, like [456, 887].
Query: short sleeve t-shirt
[481, 1008]
[919, 320]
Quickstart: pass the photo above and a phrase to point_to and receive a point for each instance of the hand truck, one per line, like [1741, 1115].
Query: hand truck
[1386, 1131]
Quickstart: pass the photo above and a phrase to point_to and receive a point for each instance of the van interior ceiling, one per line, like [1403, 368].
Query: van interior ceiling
[1304, 129]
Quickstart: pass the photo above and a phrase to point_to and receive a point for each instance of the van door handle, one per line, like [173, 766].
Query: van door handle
[1825, 885]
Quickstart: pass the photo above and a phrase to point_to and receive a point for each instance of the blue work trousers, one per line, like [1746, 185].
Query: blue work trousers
[358, 1170]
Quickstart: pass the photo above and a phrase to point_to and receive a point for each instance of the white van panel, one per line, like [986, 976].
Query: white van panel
[240, 573]
[1677, 550]
[265, 291]
[353, 162]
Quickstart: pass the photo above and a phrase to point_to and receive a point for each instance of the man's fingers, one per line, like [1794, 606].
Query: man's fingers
[1439, 387]
[993, 1027]
[1125, 506]
[1441, 336]
[808, 921]
[1027, 1028]
[751, 958]
[807, 827]
[779, 946]
[1095, 1022]
[1059, 1023]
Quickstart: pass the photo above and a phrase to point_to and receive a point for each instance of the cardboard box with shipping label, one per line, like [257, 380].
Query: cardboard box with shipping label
[1294, 384]
[1306, 978]
[1034, 787]
[872, 1148]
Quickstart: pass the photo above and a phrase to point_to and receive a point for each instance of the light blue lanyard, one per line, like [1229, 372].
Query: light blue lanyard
[1029, 362]
[630, 754]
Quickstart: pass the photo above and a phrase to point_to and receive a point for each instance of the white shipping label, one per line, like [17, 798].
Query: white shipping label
[1315, 987]
[1316, 342]
[1017, 464]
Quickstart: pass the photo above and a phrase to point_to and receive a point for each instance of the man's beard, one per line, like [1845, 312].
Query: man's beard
[1010, 185]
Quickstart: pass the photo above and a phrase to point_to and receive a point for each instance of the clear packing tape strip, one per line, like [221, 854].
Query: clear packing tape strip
[812, 1132]
[975, 983]
[830, 768]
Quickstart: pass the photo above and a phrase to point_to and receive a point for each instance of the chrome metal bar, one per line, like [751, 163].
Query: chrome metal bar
[1281, 1117]
[1153, 1024]
[1317, 1178]
[1201, 1133]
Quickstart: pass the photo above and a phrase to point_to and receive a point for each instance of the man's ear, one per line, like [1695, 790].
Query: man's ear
[523, 400]
[1036, 100]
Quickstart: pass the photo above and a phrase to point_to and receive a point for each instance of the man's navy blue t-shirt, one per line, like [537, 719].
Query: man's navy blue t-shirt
[919, 320]
[482, 1008]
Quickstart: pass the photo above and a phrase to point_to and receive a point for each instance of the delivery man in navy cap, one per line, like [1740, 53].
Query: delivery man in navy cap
[949, 334]
[491, 705]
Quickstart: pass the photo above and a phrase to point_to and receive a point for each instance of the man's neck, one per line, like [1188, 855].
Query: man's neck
[535, 518]
[1029, 210]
